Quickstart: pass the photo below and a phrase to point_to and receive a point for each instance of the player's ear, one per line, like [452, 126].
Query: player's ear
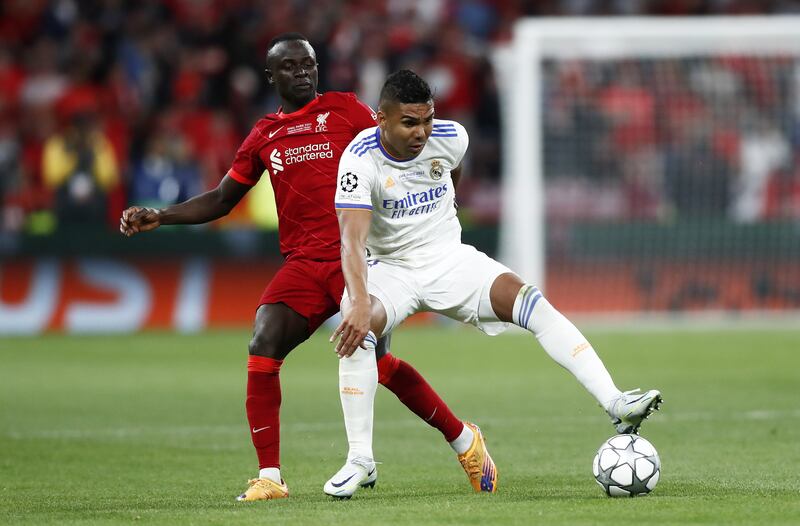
[380, 117]
[268, 73]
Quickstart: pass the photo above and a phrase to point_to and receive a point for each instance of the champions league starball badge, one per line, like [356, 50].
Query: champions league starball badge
[436, 170]
[349, 182]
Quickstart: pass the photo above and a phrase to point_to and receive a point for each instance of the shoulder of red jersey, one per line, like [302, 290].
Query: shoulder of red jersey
[344, 96]
[262, 125]
[344, 103]
[345, 99]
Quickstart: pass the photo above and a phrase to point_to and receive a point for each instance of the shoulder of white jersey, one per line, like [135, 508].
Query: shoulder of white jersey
[445, 129]
[365, 141]
[450, 137]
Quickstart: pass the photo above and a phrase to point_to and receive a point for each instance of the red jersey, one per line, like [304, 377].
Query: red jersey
[301, 152]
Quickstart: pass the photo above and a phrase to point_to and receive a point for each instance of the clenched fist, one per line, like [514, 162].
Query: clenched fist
[137, 219]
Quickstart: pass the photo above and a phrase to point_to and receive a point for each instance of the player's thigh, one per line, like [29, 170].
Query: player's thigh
[336, 287]
[397, 290]
[304, 287]
[459, 287]
[277, 330]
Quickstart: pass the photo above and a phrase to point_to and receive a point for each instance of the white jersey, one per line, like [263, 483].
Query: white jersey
[412, 201]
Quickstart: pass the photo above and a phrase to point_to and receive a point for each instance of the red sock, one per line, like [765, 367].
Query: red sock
[263, 409]
[412, 389]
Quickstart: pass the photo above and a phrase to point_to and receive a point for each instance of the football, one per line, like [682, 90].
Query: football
[627, 466]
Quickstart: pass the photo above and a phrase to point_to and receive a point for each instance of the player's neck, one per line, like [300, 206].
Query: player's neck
[388, 148]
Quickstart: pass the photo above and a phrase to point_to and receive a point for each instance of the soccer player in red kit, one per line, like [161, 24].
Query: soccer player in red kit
[299, 146]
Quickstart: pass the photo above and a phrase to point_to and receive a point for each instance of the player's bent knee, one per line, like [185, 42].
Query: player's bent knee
[503, 295]
[378, 318]
[278, 330]
[264, 344]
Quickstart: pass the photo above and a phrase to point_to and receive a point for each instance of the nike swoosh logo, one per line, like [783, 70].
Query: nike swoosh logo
[260, 429]
[635, 401]
[371, 472]
[432, 414]
[272, 133]
[342, 483]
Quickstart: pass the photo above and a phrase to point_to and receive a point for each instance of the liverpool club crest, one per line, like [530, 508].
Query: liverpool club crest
[321, 124]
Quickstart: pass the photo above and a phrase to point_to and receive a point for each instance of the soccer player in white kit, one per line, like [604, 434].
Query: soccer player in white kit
[396, 203]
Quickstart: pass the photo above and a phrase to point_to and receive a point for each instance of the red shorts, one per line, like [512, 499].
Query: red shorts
[313, 289]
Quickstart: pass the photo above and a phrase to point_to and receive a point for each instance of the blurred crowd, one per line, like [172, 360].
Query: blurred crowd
[109, 102]
[695, 138]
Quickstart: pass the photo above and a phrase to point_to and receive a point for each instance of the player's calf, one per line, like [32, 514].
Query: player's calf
[564, 343]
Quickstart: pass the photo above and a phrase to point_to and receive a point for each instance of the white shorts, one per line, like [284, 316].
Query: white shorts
[456, 286]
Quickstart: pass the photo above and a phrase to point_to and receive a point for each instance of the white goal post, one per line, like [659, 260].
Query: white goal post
[519, 69]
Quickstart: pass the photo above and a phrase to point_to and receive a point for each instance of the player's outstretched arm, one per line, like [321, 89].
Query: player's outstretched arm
[203, 208]
[353, 227]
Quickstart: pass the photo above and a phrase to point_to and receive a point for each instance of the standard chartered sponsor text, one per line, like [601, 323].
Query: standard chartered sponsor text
[308, 152]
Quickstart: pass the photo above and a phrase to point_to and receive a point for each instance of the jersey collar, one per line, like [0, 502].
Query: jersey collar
[305, 109]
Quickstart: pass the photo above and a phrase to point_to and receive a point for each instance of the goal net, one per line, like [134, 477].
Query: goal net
[653, 165]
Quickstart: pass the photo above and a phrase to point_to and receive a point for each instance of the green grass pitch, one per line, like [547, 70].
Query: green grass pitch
[151, 429]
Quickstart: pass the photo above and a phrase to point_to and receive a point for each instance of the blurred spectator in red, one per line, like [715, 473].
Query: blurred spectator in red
[630, 108]
[451, 74]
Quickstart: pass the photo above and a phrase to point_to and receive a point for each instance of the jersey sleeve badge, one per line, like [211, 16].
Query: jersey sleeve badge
[349, 182]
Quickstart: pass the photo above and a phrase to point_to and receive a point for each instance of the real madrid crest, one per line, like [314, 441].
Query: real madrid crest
[436, 170]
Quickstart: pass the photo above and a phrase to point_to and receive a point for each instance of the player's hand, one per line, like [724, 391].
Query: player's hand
[353, 328]
[138, 219]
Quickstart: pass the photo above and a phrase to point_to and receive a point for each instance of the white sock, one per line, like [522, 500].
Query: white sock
[564, 343]
[274, 474]
[461, 444]
[358, 381]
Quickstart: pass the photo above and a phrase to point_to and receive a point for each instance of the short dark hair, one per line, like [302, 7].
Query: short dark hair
[405, 87]
[285, 37]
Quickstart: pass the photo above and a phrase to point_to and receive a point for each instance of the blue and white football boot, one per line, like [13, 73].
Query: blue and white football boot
[631, 408]
[356, 473]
